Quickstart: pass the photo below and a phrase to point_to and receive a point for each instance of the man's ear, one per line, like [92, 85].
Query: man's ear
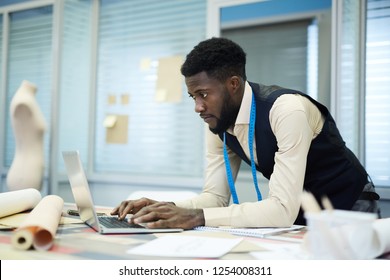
[234, 83]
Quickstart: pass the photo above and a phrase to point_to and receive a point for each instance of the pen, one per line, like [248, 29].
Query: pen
[76, 213]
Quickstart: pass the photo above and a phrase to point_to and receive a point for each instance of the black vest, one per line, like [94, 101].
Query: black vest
[331, 169]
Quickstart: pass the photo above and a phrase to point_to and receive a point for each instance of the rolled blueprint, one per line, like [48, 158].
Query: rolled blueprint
[39, 228]
[18, 201]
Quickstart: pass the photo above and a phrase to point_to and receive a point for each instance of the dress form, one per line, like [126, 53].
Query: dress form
[29, 125]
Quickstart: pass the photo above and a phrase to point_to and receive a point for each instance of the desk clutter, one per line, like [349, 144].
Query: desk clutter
[45, 230]
[341, 234]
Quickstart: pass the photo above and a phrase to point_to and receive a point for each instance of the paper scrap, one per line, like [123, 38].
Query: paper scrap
[186, 246]
[110, 121]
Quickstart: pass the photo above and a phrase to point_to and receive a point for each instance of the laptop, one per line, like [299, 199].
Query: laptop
[83, 198]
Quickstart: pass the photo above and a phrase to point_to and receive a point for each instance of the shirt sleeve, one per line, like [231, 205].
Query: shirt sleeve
[290, 122]
[216, 192]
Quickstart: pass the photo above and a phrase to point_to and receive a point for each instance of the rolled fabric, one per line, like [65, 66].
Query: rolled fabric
[13, 202]
[40, 226]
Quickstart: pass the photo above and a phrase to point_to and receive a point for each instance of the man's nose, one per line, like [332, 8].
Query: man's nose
[199, 105]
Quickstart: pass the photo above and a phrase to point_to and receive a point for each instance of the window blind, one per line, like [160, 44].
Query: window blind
[270, 58]
[312, 59]
[378, 91]
[271, 61]
[30, 58]
[75, 75]
[158, 138]
[1, 51]
[349, 56]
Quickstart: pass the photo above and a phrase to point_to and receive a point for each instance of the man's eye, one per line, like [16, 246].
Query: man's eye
[202, 95]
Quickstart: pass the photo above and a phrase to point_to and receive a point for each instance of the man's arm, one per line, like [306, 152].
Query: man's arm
[216, 192]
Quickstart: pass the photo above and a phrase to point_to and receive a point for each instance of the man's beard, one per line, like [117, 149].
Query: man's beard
[228, 116]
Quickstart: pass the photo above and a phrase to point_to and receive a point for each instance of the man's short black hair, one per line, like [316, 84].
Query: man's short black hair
[220, 58]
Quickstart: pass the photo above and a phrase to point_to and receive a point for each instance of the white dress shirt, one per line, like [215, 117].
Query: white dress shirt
[295, 121]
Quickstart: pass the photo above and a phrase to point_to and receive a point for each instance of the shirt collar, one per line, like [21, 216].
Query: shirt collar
[245, 108]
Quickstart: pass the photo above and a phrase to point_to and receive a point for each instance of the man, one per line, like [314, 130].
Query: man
[293, 141]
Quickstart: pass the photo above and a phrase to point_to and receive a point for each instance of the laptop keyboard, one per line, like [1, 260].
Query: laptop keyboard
[113, 222]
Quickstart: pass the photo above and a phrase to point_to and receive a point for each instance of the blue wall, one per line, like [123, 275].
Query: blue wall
[271, 8]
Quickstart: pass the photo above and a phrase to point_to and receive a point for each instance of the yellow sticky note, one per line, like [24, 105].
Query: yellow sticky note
[161, 95]
[111, 99]
[117, 134]
[169, 79]
[145, 64]
[125, 99]
[110, 121]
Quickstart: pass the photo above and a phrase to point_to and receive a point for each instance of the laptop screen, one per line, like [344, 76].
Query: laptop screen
[80, 188]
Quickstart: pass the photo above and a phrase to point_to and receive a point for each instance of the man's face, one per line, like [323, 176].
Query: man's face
[213, 102]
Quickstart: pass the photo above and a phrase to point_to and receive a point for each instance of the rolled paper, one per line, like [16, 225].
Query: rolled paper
[13, 202]
[23, 239]
[40, 226]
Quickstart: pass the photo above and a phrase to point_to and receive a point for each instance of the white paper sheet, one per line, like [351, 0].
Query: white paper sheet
[254, 232]
[13, 202]
[280, 251]
[186, 246]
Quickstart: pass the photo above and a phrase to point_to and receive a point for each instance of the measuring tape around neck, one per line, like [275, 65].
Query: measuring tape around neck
[251, 134]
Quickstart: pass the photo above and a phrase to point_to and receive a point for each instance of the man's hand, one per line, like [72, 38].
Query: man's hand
[131, 207]
[168, 215]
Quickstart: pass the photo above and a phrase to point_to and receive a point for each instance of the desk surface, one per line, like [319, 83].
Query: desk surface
[78, 241]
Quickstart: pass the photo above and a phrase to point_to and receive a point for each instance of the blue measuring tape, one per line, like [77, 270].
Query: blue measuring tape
[251, 134]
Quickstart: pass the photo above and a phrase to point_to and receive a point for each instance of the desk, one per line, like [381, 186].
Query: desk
[78, 241]
[107, 255]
